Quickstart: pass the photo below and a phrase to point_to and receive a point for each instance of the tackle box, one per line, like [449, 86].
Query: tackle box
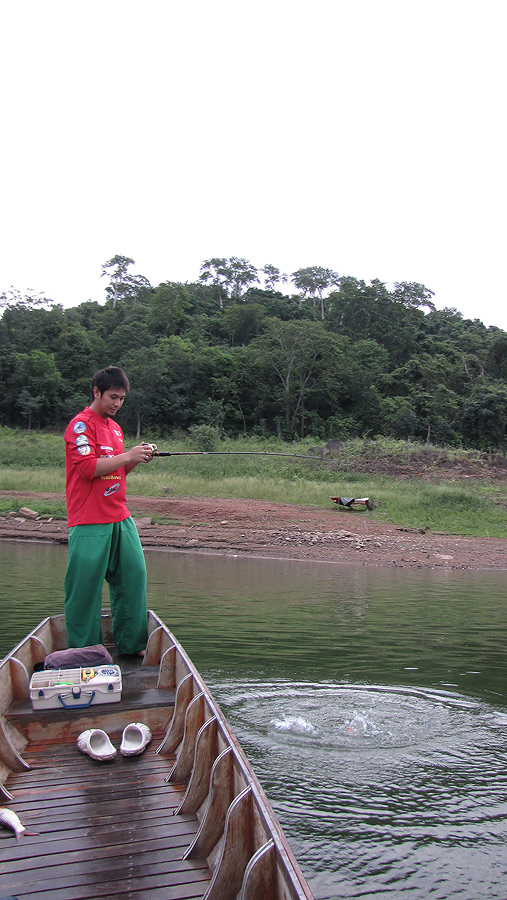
[75, 688]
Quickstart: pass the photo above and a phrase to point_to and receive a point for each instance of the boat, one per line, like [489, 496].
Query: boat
[187, 818]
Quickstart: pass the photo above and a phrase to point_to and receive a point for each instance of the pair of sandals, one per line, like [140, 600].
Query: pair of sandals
[96, 743]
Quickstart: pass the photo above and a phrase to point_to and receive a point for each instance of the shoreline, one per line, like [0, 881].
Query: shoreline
[275, 531]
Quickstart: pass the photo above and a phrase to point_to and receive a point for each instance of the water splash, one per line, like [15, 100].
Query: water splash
[384, 789]
[365, 725]
[294, 724]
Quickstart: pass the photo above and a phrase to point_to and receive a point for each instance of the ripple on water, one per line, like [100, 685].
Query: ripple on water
[347, 716]
[382, 789]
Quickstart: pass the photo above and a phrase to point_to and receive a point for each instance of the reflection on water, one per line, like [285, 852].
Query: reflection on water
[371, 702]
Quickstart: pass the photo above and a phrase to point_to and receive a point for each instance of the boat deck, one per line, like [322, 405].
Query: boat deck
[104, 829]
[185, 820]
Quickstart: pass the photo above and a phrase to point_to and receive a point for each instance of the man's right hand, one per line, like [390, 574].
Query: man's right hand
[141, 453]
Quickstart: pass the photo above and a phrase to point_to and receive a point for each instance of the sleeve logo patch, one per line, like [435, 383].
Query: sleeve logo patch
[81, 439]
[84, 450]
[79, 427]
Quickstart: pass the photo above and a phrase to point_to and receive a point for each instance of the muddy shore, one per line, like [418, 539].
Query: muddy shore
[274, 530]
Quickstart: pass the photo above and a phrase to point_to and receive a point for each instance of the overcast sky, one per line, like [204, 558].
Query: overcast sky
[367, 136]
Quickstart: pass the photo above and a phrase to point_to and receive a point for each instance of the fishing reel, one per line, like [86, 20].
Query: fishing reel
[153, 447]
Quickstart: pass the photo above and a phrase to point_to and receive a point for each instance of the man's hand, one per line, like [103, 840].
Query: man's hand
[141, 453]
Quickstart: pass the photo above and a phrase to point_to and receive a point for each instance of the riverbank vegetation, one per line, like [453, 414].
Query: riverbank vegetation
[411, 399]
[247, 351]
[411, 485]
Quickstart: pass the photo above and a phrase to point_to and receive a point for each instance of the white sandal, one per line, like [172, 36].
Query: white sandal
[96, 744]
[135, 739]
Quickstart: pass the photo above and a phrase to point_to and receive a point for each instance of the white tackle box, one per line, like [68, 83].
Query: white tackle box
[75, 688]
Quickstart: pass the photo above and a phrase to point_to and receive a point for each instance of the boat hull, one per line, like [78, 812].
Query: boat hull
[187, 818]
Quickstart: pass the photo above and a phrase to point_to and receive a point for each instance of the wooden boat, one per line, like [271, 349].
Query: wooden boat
[186, 819]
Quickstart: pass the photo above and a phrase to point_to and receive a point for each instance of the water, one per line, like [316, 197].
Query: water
[372, 704]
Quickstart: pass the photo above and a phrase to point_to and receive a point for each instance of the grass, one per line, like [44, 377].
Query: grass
[48, 480]
[465, 507]
[439, 507]
[45, 508]
[30, 449]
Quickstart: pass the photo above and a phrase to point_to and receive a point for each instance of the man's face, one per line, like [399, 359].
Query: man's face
[108, 403]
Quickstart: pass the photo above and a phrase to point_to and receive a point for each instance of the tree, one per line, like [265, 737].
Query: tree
[215, 387]
[497, 356]
[29, 405]
[242, 322]
[484, 418]
[444, 323]
[279, 306]
[78, 353]
[29, 300]
[439, 412]
[273, 276]
[146, 405]
[130, 335]
[169, 308]
[230, 276]
[182, 361]
[400, 417]
[123, 285]
[28, 323]
[361, 310]
[242, 275]
[298, 357]
[35, 388]
[227, 352]
[215, 271]
[313, 281]
[413, 295]
[370, 311]
[355, 387]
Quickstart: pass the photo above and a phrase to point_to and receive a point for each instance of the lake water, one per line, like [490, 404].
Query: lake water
[372, 704]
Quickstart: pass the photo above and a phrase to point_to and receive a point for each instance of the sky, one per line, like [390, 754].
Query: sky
[364, 136]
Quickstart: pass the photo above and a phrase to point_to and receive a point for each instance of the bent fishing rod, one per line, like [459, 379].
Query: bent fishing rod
[156, 452]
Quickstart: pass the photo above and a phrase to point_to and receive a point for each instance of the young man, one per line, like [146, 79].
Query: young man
[103, 540]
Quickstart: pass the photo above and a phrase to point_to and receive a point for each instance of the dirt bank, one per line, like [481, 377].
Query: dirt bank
[257, 528]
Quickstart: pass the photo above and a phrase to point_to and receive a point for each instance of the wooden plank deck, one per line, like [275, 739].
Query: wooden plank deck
[121, 830]
[105, 830]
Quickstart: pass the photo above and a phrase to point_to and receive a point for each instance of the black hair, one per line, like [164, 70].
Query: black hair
[111, 376]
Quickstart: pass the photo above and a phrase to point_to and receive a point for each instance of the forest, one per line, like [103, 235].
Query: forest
[250, 351]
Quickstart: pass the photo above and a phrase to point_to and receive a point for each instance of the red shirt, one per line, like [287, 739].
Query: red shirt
[93, 501]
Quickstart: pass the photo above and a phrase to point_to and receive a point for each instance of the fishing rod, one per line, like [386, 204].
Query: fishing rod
[156, 452]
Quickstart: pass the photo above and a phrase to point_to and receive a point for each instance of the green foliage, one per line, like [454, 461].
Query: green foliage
[204, 437]
[339, 358]
[231, 276]
[382, 470]
[123, 286]
[169, 308]
[313, 281]
[485, 416]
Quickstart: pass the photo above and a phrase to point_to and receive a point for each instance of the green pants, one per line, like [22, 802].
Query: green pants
[112, 552]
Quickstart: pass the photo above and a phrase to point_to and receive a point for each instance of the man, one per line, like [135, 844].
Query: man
[103, 539]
